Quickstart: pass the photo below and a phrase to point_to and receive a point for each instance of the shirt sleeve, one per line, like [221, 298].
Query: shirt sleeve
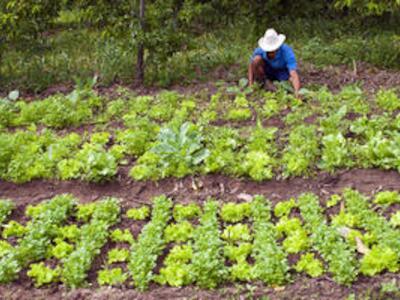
[257, 51]
[290, 59]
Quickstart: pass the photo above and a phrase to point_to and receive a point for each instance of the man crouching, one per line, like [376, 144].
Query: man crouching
[274, 60]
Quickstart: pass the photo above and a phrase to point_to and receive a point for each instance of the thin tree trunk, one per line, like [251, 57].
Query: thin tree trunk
[140, 54]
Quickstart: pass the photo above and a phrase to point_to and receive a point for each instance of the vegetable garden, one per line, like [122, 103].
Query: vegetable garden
[224, 191]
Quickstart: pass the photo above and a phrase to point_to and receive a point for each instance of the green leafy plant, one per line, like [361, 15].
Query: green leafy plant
[208, 264]
[138, 214]
[241, 271]
[33, 246]
[235, 212]
[123, 236]
[335, 152]
[43, 275]
[387, 100]
[333, 200]
[310, 265]
[296, 241]
[14, 229]
[5, 247]
[239, 252]
[284, 208]
[186, 212]
[387, 198]
[6, 207]
[93, 236]
[258, 165]
[395, 219]
[117, 255]
[239, 114]
[301, 151]
[179, 232]
[237, 232]
[271, 264]
[149, 244]
[176, 152]
[61, 249]
[85, 211]
[112, 277]
[379, 259]
[327, 240]
[70, 232]
[177, 269]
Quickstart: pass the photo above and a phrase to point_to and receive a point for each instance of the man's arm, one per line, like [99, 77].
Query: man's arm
[295, 80]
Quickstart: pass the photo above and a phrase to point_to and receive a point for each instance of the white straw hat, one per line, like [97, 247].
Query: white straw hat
[271, 41]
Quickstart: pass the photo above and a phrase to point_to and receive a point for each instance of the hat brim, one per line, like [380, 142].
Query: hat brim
[268, 47]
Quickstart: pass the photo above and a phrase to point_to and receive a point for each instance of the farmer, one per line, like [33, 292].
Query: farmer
[274, 60]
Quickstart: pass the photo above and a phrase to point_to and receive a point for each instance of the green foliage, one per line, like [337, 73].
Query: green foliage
[123, 236]
[33, 246]
[239, 114]
[258, 165]
[4, 248]
[85, 211]
[138, 214]
[284, 208]
[117, 255]
[177, 270]
[176, 275]
[238, 253]
[395, 219]
[296, 241]
[369, 7]
[387, 100]
[386, 237]
[176, 152]
[112, 277]
[241, 271]
[271, 264]
[310, 265]
[387, 198]
[333, 200]
[25, 20]
[179, 232]
[236, 233]
[327, 241]
[287, 226]
[224, 142]
[235, 212]
[150, 244]
[6, 207]
[335, 153]
[14, 229]
[70, 232]
[186, 212]
[42, 275]
[379, 259]
[208, 264]
[61, 249]
[301, 151]
[93, 236]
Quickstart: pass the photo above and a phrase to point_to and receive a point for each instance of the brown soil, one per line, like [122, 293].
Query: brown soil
[335, 77]
[196, 189]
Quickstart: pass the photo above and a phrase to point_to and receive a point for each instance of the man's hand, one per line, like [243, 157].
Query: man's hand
[295, 80]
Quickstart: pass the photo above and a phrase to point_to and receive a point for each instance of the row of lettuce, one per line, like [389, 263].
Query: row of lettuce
[84, 106]
[176, 150]
[205, 245]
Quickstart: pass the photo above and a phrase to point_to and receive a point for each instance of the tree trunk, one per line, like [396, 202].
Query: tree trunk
[140, 54]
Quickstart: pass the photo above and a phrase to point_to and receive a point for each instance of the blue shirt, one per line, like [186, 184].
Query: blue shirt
[279, 67]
